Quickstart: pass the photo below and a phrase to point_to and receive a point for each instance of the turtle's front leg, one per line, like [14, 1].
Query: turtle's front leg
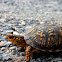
[28, 53]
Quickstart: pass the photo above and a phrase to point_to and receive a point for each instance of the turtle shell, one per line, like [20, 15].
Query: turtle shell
[45, 37]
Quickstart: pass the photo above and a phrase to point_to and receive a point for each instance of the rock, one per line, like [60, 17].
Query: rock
[7, 57]
[1, 40]
[1, 52]
[13, 52]
[28, 27]
[3, 33]
[49, 58]
[15, 33]
[18, 59]
[42, 22]
[3, 37]
[9, 31]
[39, 59]
[7, 28]
[3, 48]
[19, 30]
[17, 54]
[7, 43]
[22, 23]
[2, 43]
[33, 60]
[44, 60]
[7, 51]
[59, 59]
[2, 20]
[12, 48]
[1, 55]
[22, 53]
[22, 58]
[9, 18]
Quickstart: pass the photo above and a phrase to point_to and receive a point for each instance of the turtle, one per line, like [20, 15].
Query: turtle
[43, 37]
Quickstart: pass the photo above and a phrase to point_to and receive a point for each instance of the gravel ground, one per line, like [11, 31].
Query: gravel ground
[21, 15]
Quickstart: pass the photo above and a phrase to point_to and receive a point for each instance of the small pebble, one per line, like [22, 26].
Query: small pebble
[7, 43]
[22, 54]
[1, 55]
[3, 48]
[6, 57]
[22, 23]
[2, 43]
[12, 48]
[13, 52]
[44, 60]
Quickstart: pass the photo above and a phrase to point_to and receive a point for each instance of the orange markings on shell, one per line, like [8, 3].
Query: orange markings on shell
[52, 34]
[50, 31]
[41, 34]
[50, 24]
[38, 33]
[48, 39]
[40, 38]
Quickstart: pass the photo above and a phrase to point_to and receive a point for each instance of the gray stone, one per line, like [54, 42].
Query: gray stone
[22, 23]
[2, 43]
[28, 27]
[58, 59]
[3, 48]
[4, 38]
[1, 55]
[2, 20]
[44, 60]
[3, 33]
[22, 53]
[12, 48]
[39, 59]
[1, 52]
[1, 39]
[7, 57]
[7, 43]
[19, 30]
[13, 52]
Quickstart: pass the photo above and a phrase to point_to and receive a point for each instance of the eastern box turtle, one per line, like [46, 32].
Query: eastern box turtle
[45, 37]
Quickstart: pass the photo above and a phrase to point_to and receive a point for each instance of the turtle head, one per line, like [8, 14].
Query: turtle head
[18, 40]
